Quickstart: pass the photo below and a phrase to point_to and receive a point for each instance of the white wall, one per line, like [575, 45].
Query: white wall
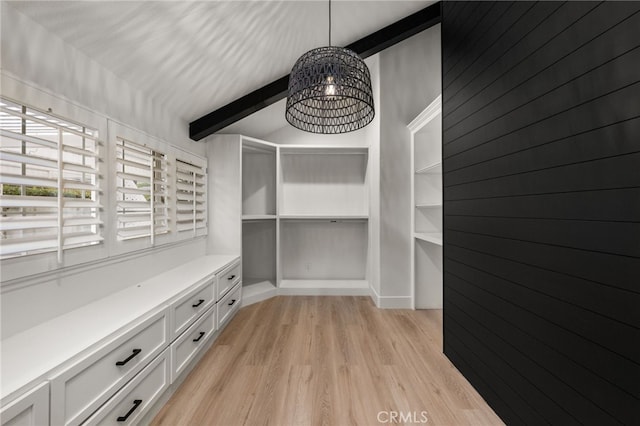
[34, 55]
[410, 76]
[40, 69]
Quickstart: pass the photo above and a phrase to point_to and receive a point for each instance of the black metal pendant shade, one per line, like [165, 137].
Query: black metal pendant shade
[329, 92]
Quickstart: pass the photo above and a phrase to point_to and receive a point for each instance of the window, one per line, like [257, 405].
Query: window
[191, 198]
[142, 191]
[49, 183]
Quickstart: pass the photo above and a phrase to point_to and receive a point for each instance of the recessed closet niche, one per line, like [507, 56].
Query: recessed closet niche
[324, 210]
[259, 224]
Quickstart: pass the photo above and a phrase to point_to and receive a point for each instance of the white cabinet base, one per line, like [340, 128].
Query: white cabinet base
[132, 402]
[32, 409]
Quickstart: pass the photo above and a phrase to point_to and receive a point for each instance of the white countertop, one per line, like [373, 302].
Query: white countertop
[31, 355]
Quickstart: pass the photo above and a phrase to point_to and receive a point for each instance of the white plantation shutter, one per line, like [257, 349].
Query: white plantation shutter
[142, 191]
[191, 201]
[49, 183]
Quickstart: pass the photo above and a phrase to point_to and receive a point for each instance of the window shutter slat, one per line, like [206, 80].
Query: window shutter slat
[27, 138]
[10, 179]
[15, 246]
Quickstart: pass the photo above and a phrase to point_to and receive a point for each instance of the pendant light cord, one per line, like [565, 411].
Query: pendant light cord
[329, 22]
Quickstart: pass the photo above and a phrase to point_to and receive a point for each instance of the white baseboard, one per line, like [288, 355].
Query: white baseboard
[323, 291]
[258, 297]
[390, 302]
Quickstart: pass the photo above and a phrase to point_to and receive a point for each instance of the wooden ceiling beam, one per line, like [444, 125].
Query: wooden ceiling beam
[277, 90]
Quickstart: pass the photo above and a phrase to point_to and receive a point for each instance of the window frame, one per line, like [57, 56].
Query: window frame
[22, 266]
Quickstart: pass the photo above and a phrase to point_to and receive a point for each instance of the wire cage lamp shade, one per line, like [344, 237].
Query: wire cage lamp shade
[329, 92]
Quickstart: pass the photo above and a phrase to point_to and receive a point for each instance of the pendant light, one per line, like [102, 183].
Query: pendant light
[329, 91]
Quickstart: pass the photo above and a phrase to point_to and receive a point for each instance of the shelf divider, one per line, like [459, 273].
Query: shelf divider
[428, 205]
[323, 217]
[435, 168]
[430, 237]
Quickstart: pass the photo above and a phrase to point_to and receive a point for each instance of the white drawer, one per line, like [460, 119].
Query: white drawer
[189, 307]
[31, 409]
[137, 397]
[81, 389]
[187, 346]
[229, 304]
[228, 278]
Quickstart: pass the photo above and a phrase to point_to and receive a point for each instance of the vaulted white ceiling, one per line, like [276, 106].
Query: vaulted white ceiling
[195, 57]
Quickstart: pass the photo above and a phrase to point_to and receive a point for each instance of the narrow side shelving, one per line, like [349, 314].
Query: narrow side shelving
[426, 207]
[434, 168]
[430, 237]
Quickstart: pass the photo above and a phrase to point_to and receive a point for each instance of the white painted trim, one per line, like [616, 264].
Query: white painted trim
[375, 297]
[428, 114]
[395, 302]
[390, 302]
[258, 297]
[319, 291]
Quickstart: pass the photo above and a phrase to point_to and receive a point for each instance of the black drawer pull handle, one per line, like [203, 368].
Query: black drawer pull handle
[133, 355]
[200, 302]
[231, 277]
[136, 404]
[232, 302]
[199, 337]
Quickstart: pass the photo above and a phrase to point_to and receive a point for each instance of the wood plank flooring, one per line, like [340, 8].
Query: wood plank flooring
[326, 361]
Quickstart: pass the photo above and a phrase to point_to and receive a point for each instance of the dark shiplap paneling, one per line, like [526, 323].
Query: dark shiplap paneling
[541, 160]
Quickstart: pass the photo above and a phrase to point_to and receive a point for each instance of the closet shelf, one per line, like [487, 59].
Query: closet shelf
[432, 169]
[258, 216]
[324, 149]
[430, 237]
[322, 217]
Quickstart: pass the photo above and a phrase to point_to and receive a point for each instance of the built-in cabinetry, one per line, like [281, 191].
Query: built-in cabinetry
[426, 207]
[31, 408]
[304, 210]
[259, 217]
[111, 361]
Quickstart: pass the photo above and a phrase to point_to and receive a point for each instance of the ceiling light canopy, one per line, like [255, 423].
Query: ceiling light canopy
[329, 91]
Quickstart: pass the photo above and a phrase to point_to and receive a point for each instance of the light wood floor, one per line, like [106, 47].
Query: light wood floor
[326, 360]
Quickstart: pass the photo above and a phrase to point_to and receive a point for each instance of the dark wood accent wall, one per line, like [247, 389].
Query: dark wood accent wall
[541, 160]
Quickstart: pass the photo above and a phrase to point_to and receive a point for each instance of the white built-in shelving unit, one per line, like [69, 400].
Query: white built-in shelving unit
[324, 212]
[426, 207]
[304, 215]
[259, 218]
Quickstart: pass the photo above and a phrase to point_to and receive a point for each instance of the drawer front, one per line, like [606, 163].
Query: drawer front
[81, 389]
[229, 304]
[228, 278]
[133, 401]
[31, 409]
[188, 308]
[187, 346]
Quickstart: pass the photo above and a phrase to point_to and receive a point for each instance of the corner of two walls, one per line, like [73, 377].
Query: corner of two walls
[410, 79]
